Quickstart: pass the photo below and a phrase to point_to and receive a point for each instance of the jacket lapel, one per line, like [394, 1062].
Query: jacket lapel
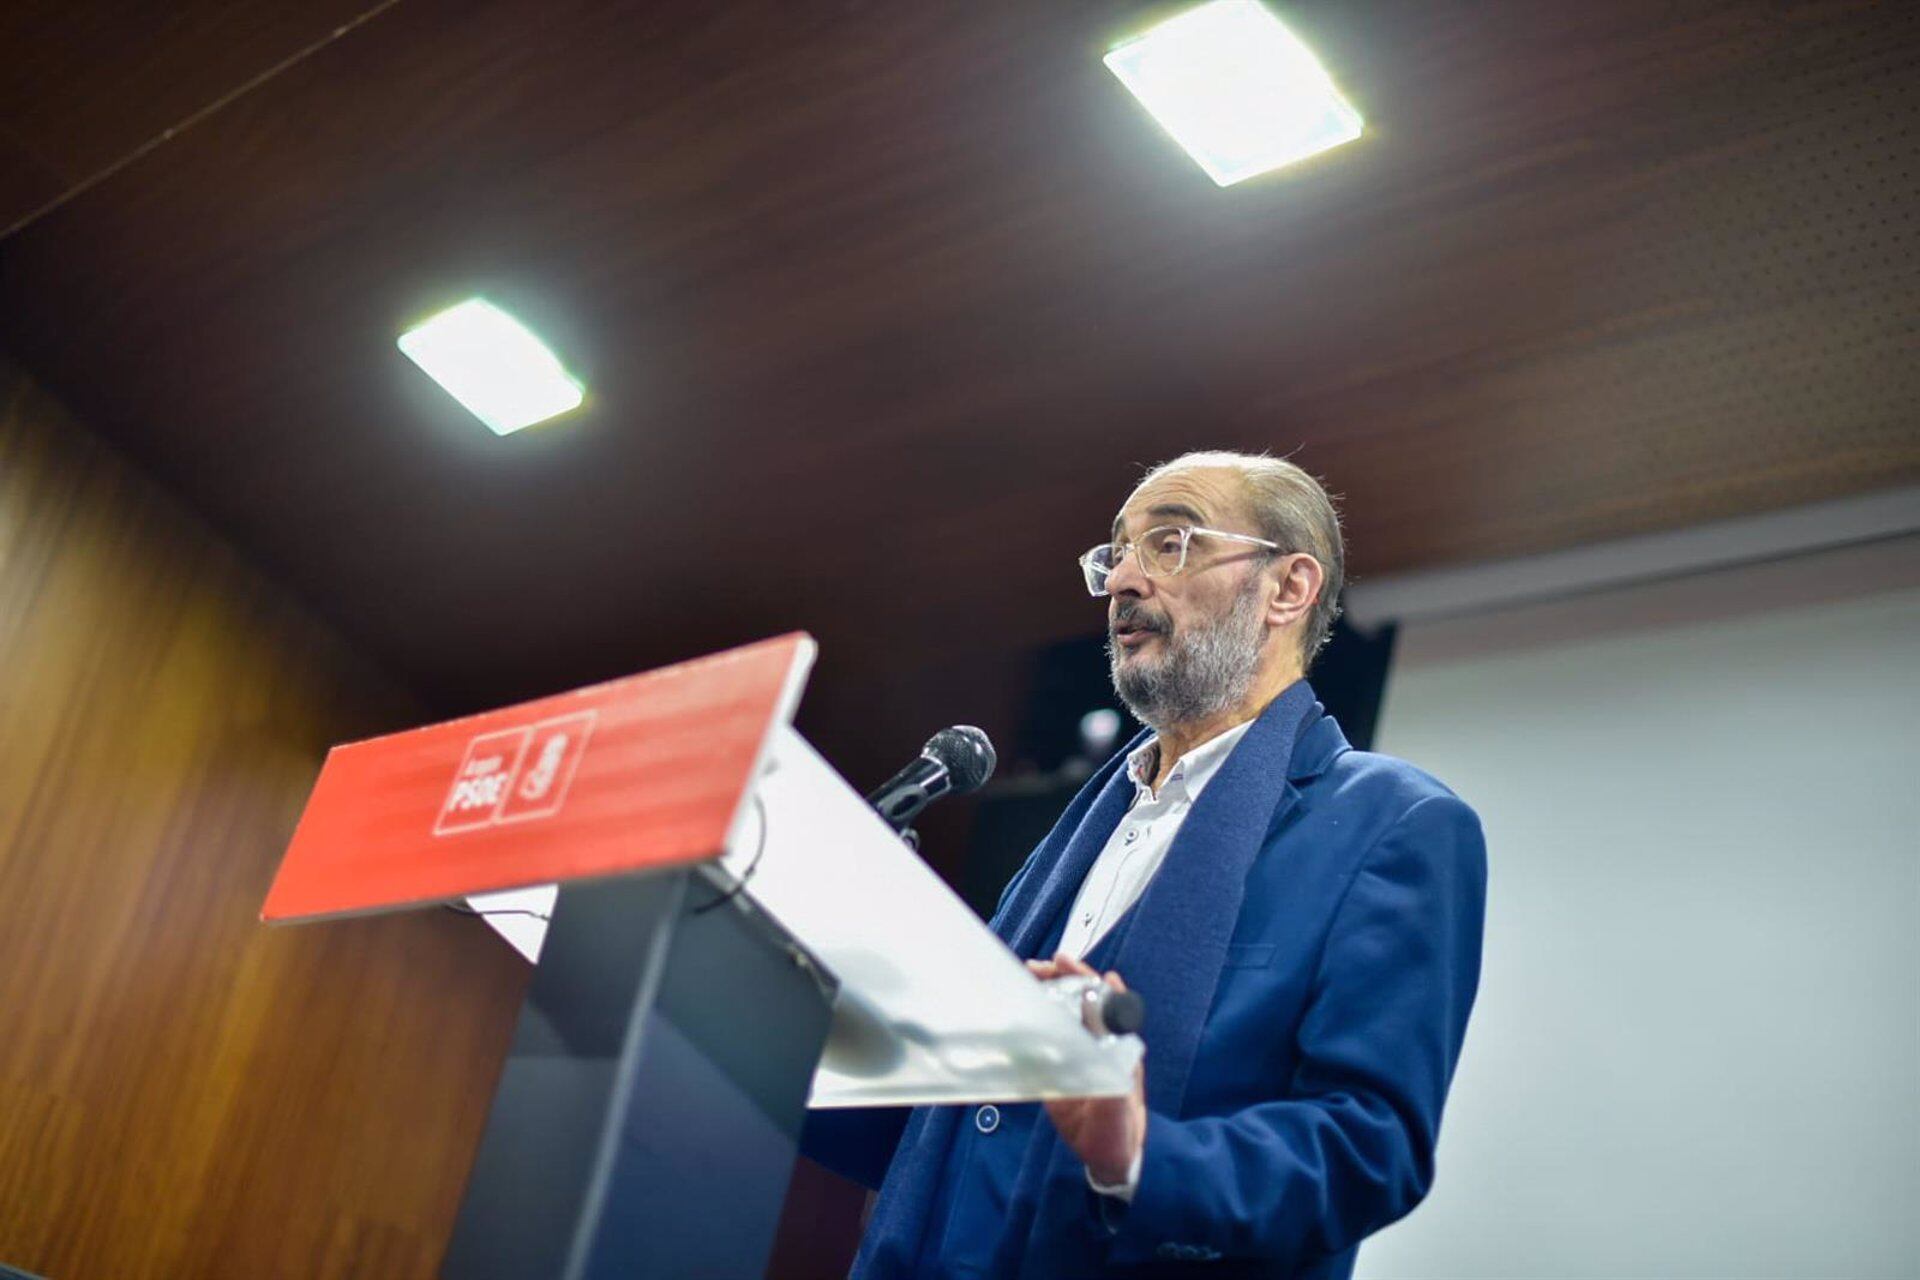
[1177, 944]
[1043, 889]
[1172, 950]
[1053, 874]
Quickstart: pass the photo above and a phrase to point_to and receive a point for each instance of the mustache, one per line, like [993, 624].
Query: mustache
[1133, 613]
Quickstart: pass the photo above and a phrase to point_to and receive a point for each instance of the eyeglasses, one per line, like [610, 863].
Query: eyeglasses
[1162, 553]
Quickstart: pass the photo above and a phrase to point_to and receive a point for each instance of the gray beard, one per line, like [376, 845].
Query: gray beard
[1205, 670]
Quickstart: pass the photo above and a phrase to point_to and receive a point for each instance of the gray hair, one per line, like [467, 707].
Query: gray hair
[1293, 509]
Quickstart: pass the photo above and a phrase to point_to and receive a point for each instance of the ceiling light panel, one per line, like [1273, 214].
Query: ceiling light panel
[1235, 88]
[494, 365]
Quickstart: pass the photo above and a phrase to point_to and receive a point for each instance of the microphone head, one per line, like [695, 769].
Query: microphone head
[1123, 1013]
[966, 752]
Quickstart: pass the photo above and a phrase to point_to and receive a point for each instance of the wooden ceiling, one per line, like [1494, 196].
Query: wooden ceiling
[883, 305]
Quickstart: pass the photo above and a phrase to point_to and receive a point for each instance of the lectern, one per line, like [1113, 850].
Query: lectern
[734, 936]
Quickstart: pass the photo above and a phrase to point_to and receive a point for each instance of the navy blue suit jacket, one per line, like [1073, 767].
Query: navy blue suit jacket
[1308, 951]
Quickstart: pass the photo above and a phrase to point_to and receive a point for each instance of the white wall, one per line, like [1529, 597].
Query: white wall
[1696, 1050]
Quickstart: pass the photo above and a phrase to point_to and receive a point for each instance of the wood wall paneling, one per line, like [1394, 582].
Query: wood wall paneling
[185, 1092]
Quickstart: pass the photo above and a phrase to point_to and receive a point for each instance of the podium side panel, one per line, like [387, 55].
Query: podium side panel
[649, 1115]
[716, 1097]
[539, 1158]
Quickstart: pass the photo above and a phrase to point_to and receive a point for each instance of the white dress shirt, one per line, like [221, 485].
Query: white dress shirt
[1139, 844]
[1135, 851]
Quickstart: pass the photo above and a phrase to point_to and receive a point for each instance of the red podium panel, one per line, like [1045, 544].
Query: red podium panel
[648, 771]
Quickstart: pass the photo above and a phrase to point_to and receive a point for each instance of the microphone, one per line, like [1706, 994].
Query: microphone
[954, 762]
[1103, 1011]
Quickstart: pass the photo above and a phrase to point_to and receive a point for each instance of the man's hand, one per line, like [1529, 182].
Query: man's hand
[1106, 1133]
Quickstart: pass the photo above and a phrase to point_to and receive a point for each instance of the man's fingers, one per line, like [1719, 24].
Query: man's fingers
[1070, 964]
[1063, 963]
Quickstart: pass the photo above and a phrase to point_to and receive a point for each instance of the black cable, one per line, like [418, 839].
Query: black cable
[458, 909]
[759, 807]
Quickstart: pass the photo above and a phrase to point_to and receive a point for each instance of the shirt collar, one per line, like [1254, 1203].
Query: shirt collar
[1192, 771]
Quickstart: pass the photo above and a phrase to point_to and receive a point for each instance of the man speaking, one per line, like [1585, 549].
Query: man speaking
[1302, 919]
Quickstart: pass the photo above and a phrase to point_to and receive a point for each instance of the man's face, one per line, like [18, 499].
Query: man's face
[1186, 647]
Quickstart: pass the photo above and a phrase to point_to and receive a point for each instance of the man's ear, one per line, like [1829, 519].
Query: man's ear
[1300, 581]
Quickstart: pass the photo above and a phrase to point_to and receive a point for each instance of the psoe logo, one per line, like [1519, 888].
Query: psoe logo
[514, 775]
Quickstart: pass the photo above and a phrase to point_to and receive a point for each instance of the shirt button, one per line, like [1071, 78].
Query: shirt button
[987, 1119]
[1133, 835]
[1087, 918]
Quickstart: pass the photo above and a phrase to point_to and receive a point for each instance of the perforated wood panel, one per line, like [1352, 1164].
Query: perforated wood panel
[923, 283]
